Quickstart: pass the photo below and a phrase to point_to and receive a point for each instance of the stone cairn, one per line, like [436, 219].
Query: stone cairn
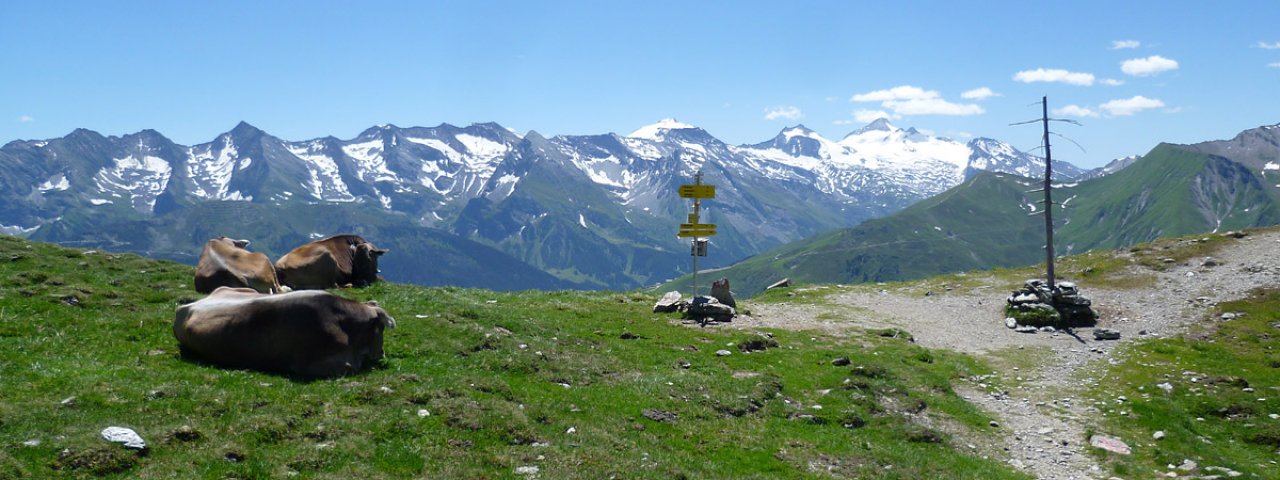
[1036, 305]
[717, 307]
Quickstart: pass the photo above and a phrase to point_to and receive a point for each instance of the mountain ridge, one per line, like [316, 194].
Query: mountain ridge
[608, 198]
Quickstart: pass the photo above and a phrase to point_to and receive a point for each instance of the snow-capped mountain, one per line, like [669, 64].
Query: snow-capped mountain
[597, 209]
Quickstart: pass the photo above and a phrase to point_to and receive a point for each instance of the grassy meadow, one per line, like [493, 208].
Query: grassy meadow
[476, 384]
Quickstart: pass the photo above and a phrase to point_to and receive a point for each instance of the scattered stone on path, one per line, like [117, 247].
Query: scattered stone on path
[124, 436]
[720, 290]
[670, 302]
[1209, 262]
[1110, 444]
[1105, 334]
[1010, 322]
[1026, 329]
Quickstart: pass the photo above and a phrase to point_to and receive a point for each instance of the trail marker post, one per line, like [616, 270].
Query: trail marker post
[693, 229]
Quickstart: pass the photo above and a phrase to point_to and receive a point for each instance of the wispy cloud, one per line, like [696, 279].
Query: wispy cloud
[1111, 82]
[1075, 111]
[1274, 65]
[1123, 44]
[1269, 46]
[1130, 106]
[1146, 67]
[980, 93]
[911, 100]
[26, 119]
[901, 92]
[783, 113]
[868, 116]
[1054, 75]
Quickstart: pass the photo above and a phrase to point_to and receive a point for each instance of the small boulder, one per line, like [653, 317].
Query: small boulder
[670, 302]
[703, 308]
[720, 290]
[1105, 334]
[1010, 322]
[1110, 444]
[1026, 329]
[784, 283]
[124, 436]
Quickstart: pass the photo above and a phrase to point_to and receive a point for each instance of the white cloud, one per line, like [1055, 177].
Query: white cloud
[1111, 82]
[784, 112]
[932, 106]
[1146, 67]
[981, 93]
[1269, 46]
[1122, 44]
[868, 116]
[1130, 106]
[1274, 65]
[1054, 75]
[911, 100]
[1074, 111]
[901, 92]
[26, 119]
[845, 122]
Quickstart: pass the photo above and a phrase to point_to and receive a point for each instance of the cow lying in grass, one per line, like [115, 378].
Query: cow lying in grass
[224, 262]
[305, 333]
[337, 261]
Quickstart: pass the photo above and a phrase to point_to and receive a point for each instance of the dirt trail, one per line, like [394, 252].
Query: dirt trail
[1046, 416]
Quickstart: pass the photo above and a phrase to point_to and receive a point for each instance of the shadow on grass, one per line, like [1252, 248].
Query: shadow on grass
[295, 377]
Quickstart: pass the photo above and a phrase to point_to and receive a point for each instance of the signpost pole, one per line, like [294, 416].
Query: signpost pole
[697, 204]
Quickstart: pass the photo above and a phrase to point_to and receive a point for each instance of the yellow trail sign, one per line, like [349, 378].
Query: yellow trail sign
[697, 226]
[697, 191]
[695, 233]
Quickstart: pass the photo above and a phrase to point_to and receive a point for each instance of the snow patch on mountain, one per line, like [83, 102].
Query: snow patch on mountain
[324, 180]
[370, 164]
[58, 184]
[211, 168]
[483, 148]
[142, 179]
[658, 131]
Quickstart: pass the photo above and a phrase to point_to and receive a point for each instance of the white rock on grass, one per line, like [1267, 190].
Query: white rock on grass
[125, 436]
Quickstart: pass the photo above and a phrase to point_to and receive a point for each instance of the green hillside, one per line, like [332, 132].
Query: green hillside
[986, 223]
[477, 384]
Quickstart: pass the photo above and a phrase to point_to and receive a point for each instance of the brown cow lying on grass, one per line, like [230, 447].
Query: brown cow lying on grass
[336, 261]
[224, 262]
[311, 334]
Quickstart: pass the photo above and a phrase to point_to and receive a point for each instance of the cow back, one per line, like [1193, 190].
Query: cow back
[309, 333]
[324, 263]
[222, 264]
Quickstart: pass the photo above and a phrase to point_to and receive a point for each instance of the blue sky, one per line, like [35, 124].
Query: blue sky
[1134, 73]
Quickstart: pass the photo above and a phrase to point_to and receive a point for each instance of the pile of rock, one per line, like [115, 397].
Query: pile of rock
[702, 308]
[1038, 305]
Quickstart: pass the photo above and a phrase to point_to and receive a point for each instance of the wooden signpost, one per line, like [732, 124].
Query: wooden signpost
[694, 228]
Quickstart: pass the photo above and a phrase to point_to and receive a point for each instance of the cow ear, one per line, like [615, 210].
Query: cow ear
[371, 303]
[240, 243]
[379, 251]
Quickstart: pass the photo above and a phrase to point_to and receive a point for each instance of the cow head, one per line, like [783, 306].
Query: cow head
[364, 263]
[372, 351]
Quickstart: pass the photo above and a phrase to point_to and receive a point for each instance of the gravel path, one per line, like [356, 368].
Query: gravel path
[1044, 417]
